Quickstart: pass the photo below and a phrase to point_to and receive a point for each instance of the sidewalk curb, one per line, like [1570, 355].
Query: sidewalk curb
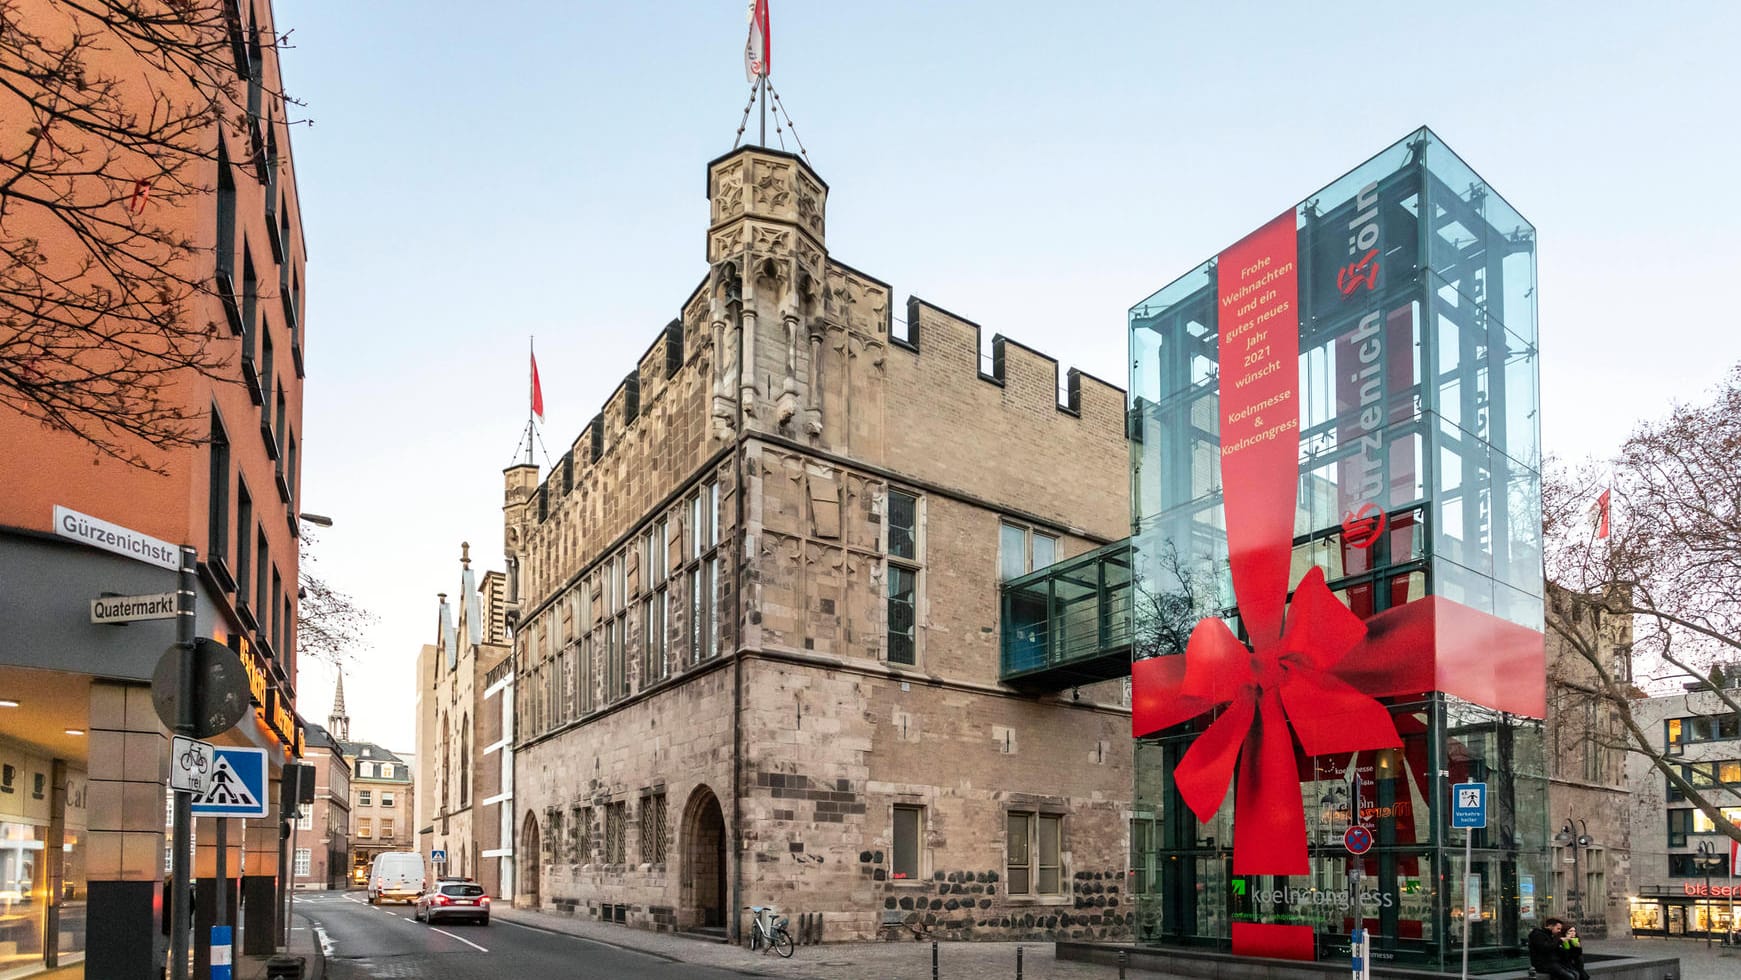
[551, 930]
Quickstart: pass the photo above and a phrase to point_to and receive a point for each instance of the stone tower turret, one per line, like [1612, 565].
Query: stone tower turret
[767, 255]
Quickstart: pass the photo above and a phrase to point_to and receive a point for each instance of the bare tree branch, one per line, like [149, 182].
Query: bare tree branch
[110, 112]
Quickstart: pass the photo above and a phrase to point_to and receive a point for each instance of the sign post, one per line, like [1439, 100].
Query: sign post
[181, 899]
[1360, 951]
[1469, 813]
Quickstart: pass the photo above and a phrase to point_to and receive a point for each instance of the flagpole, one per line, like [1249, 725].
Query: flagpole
[764, 108]
[531, 382]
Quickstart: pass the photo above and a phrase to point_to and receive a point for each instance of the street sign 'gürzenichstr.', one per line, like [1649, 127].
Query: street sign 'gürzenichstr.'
[99, 533]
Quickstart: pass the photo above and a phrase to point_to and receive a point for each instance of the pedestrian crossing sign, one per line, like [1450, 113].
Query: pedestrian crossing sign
[236, 786]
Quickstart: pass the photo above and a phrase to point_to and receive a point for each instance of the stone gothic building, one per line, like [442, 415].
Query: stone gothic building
[757, 614]
[464, 805]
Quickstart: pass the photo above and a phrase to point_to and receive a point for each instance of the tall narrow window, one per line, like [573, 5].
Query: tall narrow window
[218, 493]
[1034, 850]
[244, 541]
[904, 566]
[277, 618]
[909, 828]
[262, 581]
[226, 218]
[653, 828]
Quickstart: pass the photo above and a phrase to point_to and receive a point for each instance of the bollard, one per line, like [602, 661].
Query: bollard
[933, 959]
[1018, 963]
[1123, 958]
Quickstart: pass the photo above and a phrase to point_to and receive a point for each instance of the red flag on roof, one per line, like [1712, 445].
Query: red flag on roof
[758, 50]
[537, 391]
[1599, 514]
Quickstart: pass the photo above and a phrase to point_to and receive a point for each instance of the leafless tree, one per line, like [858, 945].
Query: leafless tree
[330, 625]
[109, 113]
[1670, 568]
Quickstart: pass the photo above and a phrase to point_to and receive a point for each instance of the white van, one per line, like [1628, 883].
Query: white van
[396, 875]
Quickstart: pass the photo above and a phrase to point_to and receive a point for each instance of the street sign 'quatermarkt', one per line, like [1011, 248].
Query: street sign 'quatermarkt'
[132, 608]
[98, 533]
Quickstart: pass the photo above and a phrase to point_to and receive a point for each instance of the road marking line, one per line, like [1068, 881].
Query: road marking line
[596, 942]
[460, 938]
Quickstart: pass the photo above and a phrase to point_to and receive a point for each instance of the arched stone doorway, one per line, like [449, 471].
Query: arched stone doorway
[529, 860]
[704, 862]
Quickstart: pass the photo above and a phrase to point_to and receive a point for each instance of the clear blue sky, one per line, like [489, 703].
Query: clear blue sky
[479, 173]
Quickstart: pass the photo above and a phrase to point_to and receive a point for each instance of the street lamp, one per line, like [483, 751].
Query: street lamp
[1708, 858]
[318, 520]
[1570, 835]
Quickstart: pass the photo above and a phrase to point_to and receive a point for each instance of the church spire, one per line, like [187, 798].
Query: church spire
[338, 723]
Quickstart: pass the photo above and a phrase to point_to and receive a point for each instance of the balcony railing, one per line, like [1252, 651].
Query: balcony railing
[1069, 623]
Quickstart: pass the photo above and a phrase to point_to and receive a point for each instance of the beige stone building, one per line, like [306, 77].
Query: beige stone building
[756, 609]
[1589, 796]
[465, 761]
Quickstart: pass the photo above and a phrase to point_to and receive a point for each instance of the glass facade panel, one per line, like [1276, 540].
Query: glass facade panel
[1412, 285]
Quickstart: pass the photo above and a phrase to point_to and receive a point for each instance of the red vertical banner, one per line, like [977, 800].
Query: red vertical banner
[1257, 283]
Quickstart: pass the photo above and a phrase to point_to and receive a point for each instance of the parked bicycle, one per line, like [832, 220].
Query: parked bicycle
[770, 931]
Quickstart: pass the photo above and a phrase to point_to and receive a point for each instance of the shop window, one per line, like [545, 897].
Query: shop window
[909, 832]
[1034, 847]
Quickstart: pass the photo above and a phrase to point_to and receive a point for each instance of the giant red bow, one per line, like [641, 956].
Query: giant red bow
[1289, 685]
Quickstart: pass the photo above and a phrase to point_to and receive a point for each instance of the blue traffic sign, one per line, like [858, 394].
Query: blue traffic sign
[236, 785]
[1469, 806]
[438, 856]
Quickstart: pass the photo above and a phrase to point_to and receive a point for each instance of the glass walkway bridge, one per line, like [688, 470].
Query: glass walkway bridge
[1069, 623]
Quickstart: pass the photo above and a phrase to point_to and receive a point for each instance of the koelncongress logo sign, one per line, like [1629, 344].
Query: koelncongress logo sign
[1297, 897]
[99, 533]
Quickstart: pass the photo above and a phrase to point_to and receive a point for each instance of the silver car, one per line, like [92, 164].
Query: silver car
[453, 900]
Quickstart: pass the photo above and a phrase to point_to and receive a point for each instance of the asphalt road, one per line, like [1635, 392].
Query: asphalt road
[365, 942]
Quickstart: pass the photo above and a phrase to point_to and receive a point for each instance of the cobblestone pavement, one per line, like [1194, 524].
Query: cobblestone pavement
[838, 961]
[1697, 962]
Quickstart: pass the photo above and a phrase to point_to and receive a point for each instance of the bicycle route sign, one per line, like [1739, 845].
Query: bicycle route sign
[236, 786]
[190, 764]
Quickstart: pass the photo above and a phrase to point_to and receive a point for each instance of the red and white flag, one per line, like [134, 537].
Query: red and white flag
[1599, 514]
[537, 391]
[759, 48]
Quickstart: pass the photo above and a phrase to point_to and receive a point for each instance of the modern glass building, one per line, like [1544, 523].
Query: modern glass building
[1416, 500]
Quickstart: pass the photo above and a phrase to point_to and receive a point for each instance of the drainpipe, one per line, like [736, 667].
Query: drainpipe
[745, 348]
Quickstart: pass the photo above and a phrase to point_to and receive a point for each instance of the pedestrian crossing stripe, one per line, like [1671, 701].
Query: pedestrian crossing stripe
[225, 788]
[236, 785]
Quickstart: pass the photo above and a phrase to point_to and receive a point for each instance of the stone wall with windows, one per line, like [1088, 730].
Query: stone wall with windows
[756, 614]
